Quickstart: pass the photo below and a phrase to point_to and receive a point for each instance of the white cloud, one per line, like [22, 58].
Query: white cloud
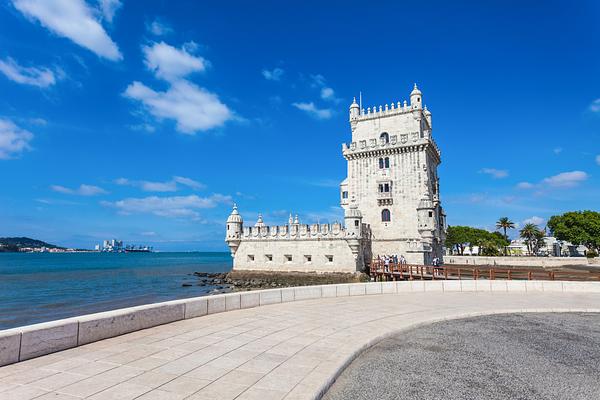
[566, 179]
[193, 108]
[73, 19]
[525, 185]
[40, 77]
[319, 113]
[170, 63]
[176, 206]
[109, 8]
[598, 159]
[159, 28]
[82, 190]
[168, 186]
[13, 140]
[494, 173]
[595, 106]
[317, 80]
[557, 150]
[562, 180]
[274, 75]
[534, 220]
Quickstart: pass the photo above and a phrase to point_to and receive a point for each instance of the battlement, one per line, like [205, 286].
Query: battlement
[384, 111]
[395, 142]
[296, 231]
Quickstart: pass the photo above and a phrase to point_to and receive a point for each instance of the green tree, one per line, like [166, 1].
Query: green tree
[504, 223]
[489, 243]
[533, 236]
[458, 237]
[577, 227]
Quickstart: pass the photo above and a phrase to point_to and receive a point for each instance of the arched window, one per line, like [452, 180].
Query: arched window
[381, 163]
[385, 215]
[387, 162]
[385, 137]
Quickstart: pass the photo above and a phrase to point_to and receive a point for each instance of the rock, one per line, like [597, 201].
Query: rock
[186, 284]
[201, 274]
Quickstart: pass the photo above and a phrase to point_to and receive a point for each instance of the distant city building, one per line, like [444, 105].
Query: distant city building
[391, 200]
[111, 246]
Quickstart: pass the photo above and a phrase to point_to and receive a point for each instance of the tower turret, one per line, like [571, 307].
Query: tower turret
[416, 98]
[235, 225]
[353, 221]
[354, 110]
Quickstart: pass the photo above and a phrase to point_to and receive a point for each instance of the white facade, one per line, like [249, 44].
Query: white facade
[390, 197]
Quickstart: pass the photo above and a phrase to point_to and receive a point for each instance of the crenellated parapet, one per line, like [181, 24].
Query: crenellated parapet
[384, 110]
[295, 232]
[401, 143]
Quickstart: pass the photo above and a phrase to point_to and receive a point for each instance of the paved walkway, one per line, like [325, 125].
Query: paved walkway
[289, 350]
[533, 356]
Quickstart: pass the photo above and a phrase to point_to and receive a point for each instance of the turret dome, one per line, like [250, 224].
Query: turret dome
[235, 216]
[415, 91]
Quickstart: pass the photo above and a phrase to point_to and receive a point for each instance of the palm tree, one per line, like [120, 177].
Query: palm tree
[530, 232]
[504, 223]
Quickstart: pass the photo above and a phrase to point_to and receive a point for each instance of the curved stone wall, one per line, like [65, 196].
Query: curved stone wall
[31, 341]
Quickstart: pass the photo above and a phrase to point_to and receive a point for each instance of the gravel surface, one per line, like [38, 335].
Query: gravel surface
[518, 356]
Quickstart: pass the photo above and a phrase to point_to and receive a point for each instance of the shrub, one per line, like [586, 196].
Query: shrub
[591, 254]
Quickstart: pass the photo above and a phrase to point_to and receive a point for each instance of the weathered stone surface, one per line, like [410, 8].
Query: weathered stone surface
[307, 292]
[216, 304]
[287, 294]
[50, 337]
[10, 343]
[196, 307]
[249, 299]
[270, 297]
[232, 301]
[113, 323]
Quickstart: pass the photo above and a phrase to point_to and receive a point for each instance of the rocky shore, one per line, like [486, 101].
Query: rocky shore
[235, 281]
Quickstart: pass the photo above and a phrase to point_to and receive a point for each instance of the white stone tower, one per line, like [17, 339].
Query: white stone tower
[233, 234]
[392, 179]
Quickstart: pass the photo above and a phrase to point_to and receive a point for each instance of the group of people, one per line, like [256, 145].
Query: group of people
[391, 259]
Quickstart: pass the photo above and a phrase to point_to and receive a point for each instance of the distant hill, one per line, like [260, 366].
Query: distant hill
[16, 243]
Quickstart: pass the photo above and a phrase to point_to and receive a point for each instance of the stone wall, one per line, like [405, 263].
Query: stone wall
[326, 255]
[31, 341]
[546, 262]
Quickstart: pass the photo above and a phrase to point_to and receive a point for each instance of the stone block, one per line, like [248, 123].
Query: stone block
[534, 286]
[389, 287]
[468, 285]
[271, 296]
[108, 324]
[216, 304]
[582, 287]
[249, 299]
[10, 344]
[483, 285]
[552, 286]
[498, 286]
[49, 337]
[516, 286]
[433, 286]
[357, 289]
[307, 292]
[232, 301]
[342, 290]
[452, 286]
[373, 288]
[417, 286]
[403, 287]
[287, 294]
[328, 291]
[196, 307]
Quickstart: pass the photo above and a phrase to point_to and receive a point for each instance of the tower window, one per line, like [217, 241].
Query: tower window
[430, 214]
[329, 258]
[250, 258]
[288, 258]
[356, 223]
[268, 257]
[386, 215]
[344, 194]
[307, 258]
[387, 162]
[385, 137]
[381, 163]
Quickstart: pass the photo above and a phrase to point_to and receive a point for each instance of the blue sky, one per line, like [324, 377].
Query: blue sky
[145, 120]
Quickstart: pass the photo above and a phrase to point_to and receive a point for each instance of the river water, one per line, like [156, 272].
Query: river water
[38, 287]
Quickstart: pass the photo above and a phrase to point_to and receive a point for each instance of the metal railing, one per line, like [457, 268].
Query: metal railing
[397, 271]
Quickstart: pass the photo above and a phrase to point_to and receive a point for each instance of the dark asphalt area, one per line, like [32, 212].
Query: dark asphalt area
[516, 356]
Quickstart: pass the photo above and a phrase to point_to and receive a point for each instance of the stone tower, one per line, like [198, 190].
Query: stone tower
[392, 179]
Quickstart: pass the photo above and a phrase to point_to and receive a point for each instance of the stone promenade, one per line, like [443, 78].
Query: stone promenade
[289, 350]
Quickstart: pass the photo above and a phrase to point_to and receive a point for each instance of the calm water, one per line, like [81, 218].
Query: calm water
[42, 287]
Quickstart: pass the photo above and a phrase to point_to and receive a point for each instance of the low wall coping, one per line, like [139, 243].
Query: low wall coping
[21, 343]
